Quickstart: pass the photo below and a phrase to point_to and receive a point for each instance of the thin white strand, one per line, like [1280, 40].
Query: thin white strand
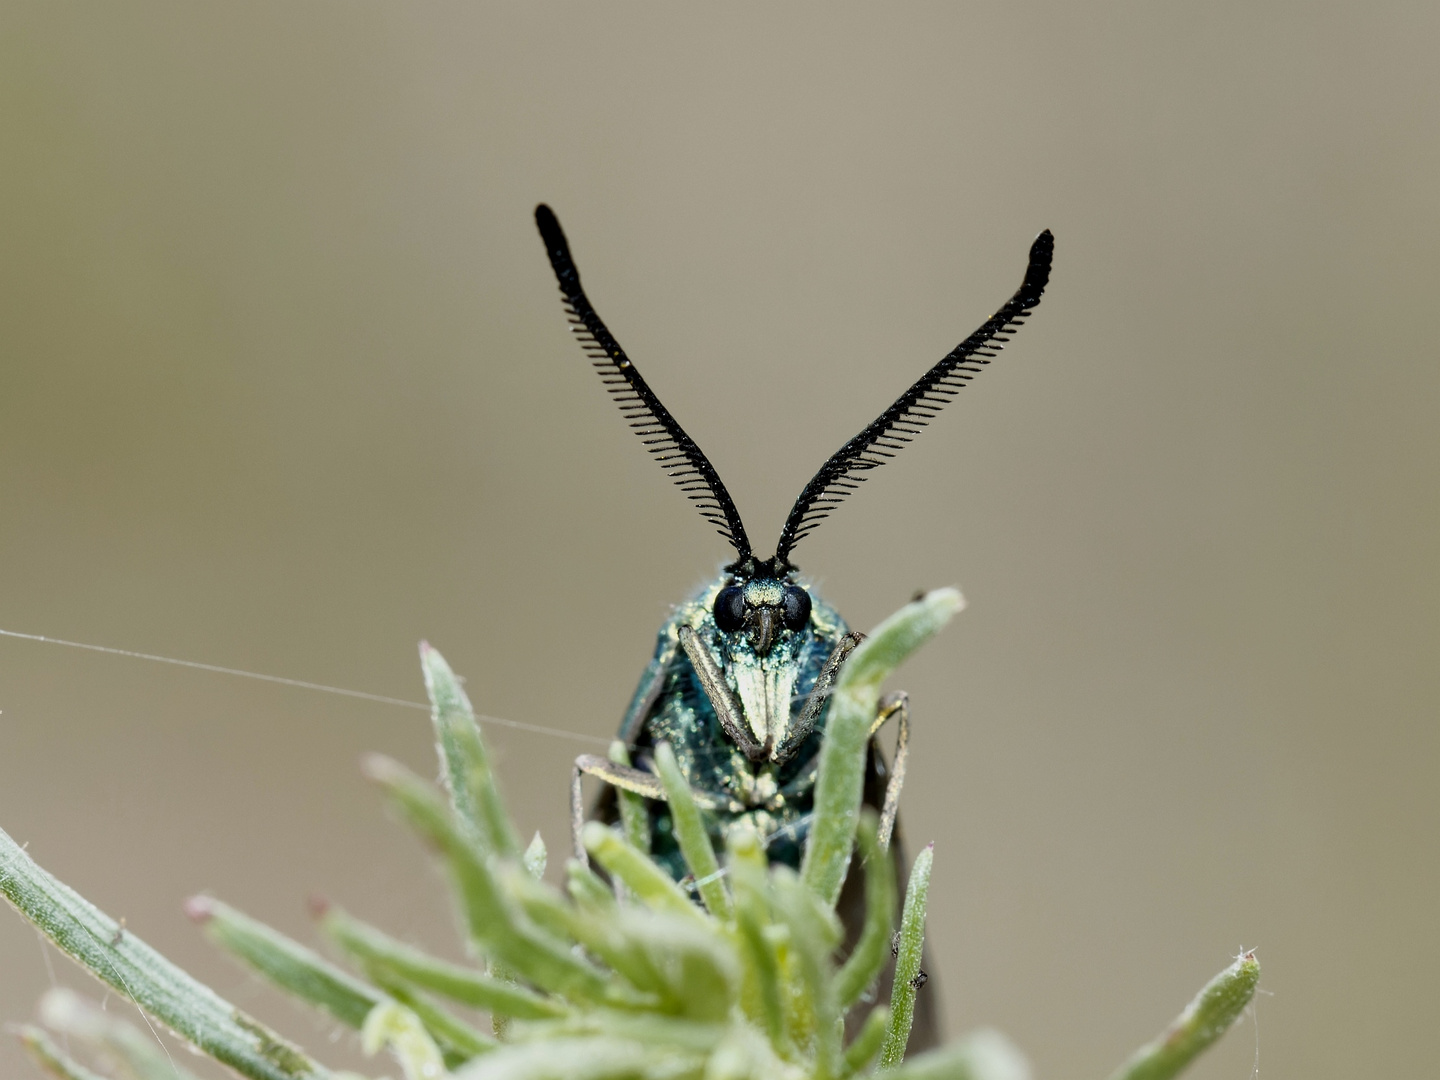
[302, 684]
[695, 885]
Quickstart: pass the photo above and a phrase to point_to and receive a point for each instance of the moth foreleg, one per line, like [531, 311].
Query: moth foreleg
[722, 698]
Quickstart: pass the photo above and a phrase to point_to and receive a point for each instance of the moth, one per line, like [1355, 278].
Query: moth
[740, 679]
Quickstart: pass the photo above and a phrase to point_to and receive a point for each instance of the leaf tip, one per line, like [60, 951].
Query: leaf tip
[948, 600]
[380, 769]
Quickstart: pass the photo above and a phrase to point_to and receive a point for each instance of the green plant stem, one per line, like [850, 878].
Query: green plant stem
[132, 968]
[841, 780]
[1204, 1020]
[907, 960]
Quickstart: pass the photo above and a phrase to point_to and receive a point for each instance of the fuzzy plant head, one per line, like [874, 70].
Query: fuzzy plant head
[734, 976]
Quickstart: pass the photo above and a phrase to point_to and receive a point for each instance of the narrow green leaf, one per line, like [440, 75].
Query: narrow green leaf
[139, 973]
[691, 834]
[594, 921]
[495, 926]
[692, 962]
[50, 1058]
[868, 957]
[601, 935]
[746, 863]
[634, 814]
[586, 889]
[1204, 1020]
[458, 1041]
[467, 770]
[652, 1029]
[651, 885]
[892, 642]
[376, 951]
[980, 1055]
[841, 780]
[394, 1026]
[814, 934]
[127, 1049]
[907, 960]
[543, 904]
[866, 1044]
[599, 1057]
[285, 962]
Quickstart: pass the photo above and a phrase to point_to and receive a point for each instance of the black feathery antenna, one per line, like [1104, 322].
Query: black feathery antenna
[902, 421]
[682, 460]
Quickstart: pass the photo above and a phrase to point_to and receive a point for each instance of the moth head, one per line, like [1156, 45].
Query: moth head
[763, 603]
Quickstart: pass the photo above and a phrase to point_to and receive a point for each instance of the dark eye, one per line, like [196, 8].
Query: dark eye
[795, 607]
[730, 609]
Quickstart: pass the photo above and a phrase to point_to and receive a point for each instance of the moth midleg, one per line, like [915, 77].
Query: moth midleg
[645, 784]
[620, 776]
[819, 695]
[896, 704]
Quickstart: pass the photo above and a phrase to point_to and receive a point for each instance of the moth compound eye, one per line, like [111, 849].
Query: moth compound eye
[795, 607]
[730, 609]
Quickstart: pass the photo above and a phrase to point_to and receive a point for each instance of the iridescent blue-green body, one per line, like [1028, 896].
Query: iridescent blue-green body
[771, 678]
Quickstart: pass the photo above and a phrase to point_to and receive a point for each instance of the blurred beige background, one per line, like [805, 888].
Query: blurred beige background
[286, 387]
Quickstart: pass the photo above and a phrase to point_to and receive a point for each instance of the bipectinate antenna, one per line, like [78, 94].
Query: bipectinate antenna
[902, 421]
[682, 460]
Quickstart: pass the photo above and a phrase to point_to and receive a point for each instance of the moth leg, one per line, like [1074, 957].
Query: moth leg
[895, 704]
[727, 708]
[819, 694]
[639, 781]
[621, 776]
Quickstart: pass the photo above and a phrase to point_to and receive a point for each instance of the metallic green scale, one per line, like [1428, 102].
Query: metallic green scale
[775, 795]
